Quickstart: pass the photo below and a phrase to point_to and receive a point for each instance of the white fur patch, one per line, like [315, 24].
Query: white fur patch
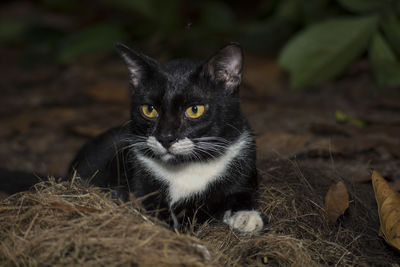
[192, 178]
[156, 146]
[182, 147]
[167, 157]
[245, 221]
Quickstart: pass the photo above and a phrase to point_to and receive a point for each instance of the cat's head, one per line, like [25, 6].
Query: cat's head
[184, 110]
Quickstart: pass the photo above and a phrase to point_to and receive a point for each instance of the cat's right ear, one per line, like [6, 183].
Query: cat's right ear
[137, 63]
[226, 66]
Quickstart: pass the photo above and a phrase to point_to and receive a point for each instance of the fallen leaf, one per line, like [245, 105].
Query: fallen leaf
[336, 201]
[342, 117]
[109, 92]
[87, 131]
[67, 207]
[388, 202]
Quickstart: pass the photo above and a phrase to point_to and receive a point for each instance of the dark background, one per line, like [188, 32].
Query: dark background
[62, 81]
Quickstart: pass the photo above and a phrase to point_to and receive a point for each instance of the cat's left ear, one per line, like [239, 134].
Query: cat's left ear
[138, 64]
[226, 66]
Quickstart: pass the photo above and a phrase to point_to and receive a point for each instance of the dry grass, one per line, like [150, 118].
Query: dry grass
[64, 224]
[69, 224]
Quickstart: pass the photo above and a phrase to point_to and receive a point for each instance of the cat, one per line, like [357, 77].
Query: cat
[187, 150]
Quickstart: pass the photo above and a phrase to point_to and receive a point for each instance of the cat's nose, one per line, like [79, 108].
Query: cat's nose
[166, 140]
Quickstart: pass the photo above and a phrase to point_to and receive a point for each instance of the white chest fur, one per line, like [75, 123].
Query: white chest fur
[193, 178]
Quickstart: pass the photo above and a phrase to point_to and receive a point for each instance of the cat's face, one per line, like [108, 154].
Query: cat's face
[182, 110]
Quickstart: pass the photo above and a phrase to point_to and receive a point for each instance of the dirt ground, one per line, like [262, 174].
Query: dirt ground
[48, 112]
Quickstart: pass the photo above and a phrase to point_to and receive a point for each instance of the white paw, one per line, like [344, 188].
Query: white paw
[245, 221]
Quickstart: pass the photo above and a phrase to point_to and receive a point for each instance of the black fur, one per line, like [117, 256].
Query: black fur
[12, 182]
[109, 160]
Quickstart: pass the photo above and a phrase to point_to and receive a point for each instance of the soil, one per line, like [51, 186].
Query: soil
[48, 112]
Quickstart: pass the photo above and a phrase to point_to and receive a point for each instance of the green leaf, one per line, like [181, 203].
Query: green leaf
[391, 27]
[384, 63]
[341, 117]
[323, 50]
[98, 39]
[397, 7]
[11, 31]
[358, 123]
[364, 6]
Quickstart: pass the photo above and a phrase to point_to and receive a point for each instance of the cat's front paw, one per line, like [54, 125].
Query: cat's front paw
[245, 221]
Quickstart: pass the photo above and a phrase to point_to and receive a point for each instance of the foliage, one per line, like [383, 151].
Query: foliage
[333, 33]
[323, 50]
[181, 24]
[95, 39]
[384, 62]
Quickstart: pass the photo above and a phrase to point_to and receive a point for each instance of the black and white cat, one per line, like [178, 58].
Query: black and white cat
[187, 147]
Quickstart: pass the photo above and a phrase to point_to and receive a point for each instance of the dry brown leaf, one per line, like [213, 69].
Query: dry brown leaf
[336, 201]
[388, 202]
[109, 92]
[87, 131]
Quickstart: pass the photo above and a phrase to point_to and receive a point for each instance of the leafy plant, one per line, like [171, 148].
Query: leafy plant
[323, 50]
[95, 39]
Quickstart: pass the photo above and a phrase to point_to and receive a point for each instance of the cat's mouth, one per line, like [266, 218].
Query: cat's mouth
[174, 153]
[185, 149]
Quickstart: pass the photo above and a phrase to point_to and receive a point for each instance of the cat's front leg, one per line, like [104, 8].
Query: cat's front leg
[245, 221]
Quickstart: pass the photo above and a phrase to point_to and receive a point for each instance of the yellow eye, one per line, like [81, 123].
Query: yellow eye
[195, 111]
[149, 111]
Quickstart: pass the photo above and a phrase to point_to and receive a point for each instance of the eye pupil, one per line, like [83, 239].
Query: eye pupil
[149, 111]
[194, 112]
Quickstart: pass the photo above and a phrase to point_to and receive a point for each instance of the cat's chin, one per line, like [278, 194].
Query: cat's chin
[170, 159]
[167, 158]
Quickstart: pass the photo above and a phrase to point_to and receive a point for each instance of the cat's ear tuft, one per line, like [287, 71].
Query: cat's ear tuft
[137, 63]
[226, 66]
